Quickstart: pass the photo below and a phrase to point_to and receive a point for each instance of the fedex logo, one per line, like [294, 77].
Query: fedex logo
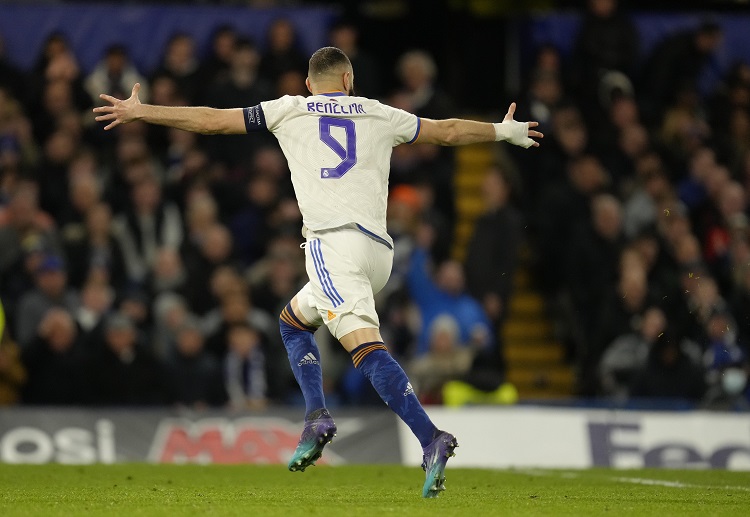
[630, 445]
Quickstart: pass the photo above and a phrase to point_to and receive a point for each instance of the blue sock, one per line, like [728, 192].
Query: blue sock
[304, 357]
[391, 383]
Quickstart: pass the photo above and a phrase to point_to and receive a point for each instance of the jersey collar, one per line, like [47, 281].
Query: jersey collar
[332, 94]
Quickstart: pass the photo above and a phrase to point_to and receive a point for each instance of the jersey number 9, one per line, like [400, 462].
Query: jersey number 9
[347, 154]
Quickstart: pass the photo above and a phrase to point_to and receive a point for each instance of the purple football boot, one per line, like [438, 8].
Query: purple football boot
[319, 430]
[433, 463]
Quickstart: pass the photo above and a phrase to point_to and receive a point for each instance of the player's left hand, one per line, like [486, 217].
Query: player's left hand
[120, 111]
[525, 141]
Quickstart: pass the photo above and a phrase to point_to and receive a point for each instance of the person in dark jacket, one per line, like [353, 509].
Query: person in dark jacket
[54, 362]
[193, 377]
[669, 372]
[492, 255]
[123, 372]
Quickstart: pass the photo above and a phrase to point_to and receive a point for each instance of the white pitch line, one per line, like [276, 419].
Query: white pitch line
[676, 484]
[635, 481]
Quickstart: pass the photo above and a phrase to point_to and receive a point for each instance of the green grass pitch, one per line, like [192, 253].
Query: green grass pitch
[361, 491]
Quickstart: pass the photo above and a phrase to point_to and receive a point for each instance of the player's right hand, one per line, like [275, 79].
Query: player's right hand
[119, 111]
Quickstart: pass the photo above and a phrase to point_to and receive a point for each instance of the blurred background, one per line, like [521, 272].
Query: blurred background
[608, 268]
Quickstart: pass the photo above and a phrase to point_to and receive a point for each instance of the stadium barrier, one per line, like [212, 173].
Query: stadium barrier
[491, 437]
[84, 436]
[539, 437]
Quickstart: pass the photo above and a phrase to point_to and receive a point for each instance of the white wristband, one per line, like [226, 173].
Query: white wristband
[513, 132]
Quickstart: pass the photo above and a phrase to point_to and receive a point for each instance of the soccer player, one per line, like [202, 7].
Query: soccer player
[338, 147]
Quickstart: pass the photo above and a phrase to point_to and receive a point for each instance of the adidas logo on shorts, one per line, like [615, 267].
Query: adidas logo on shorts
[308, 359]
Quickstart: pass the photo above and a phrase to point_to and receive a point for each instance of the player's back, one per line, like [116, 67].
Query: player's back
[339, 148]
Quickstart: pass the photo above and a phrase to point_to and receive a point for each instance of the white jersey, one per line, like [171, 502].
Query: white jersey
[339, 152]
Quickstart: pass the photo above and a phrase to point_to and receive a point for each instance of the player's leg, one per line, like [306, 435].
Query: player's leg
[297, 333]
[350, 269]
[298, 323]
[371, 357]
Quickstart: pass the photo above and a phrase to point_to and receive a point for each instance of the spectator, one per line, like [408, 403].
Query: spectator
[279, 275]
[291, 82]
[445, 294]
[417, 72]
[18, 279]
[727, 380]
[243, 85]
[546, 93]
[729, 225]
[122, 372]
[591, 270]
[201, 213]
[218, 61]
[345, 35]
[628, 354]
[51, 291]
[97, 300]
[54, 361]
[245, 369]
[562, 208]
[402, 218]
[606, 43]
[114, 75]
[675, 64]
[170, 311]
[235, 308]
[135, 304]
[148, 225]
[193, 378]
[617, 313]
[180, 63]
[251, 226]
[19, 152]
[214, 251]
[282, 52]
[669, 373]
[96, 253]
[445, 360]
[56, 84]
[60, 149]
[641, 206]
[493, 250]
[420, 93]
[20, 218]
[85, 190]
[168, 273]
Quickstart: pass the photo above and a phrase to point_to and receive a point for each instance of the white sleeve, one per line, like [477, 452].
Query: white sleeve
[406, 126]
[274, 111]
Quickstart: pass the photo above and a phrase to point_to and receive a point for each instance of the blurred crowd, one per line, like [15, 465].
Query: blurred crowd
[639, 205]
[148, 266]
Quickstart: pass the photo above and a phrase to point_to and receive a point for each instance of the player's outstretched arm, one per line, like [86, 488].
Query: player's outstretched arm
[456, 131]
[196, 119]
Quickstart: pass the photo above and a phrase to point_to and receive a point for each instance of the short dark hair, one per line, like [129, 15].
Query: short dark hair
[327, 59]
